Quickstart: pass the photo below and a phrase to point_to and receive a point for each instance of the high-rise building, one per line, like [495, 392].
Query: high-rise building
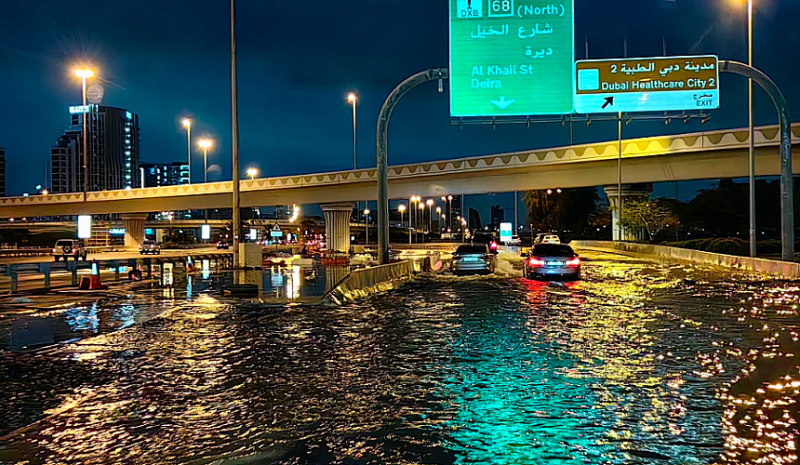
[498, 216]
[113, 155]
[163, 174]
[2, 172]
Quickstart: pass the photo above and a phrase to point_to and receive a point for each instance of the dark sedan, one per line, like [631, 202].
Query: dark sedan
[551, 261]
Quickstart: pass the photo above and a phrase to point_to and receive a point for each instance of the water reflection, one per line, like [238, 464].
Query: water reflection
[639, 364]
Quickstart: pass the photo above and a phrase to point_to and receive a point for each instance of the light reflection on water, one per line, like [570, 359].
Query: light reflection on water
[639, 364]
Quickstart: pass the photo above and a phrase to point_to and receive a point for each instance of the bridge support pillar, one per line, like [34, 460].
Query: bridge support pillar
[337, 225]
[629, 192]
[134, 229]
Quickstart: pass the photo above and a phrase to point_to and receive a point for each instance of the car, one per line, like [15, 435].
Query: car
[485, 237]
[515, 241]
[550, 261]
[66, 248]
[546, 239]
[223, 245]
[150, 247]
[473, 259]
[276, 259]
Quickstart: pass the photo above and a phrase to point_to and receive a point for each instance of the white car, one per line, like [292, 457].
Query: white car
[546, 239]
[515, 241]
[66, 248]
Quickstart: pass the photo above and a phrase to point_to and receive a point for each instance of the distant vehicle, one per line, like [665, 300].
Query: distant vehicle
[553, 261]
[276, 259]
[546, 239]
[473, 259]
[223, 245]
[150, 248]
[485, 237]
[515, 241]
[66, 248]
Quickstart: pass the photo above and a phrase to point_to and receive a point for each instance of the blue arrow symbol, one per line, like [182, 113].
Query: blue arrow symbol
[502, 103]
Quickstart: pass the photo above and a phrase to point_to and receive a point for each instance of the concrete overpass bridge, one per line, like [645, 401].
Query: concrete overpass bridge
[694, 156]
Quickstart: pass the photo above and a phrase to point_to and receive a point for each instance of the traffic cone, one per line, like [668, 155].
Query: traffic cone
[95, 284]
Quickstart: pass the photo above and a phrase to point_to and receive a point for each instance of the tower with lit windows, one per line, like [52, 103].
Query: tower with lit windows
[113, 155]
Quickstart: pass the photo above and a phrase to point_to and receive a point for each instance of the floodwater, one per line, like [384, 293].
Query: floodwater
[641, 363]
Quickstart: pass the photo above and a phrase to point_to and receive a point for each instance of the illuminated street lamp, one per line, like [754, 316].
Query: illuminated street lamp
[439, 211]
[85, 74]
[412, 213]
[429, 203]
[352, 99]
[205, 144]
[402, 209]
[366, 219]
[187, 123]
[252, 172]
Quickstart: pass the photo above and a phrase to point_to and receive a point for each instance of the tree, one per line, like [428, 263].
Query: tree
[646, 218]
[562, 210]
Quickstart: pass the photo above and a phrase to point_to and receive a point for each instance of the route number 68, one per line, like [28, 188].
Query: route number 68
[500, 8]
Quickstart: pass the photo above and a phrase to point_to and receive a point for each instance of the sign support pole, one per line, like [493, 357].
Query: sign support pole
[619, 178]
[441, 74]
[787, 182]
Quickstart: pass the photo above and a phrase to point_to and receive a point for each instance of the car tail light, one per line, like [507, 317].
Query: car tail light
[536, 262]
[574, 262]
[494, 245]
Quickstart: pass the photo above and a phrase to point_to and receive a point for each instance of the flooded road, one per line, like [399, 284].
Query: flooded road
[641, 363]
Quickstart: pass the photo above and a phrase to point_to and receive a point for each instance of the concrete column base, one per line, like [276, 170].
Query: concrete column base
[629, 191]
[134, 224]
[337, 225]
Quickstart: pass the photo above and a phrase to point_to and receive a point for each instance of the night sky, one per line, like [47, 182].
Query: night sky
[298, 59]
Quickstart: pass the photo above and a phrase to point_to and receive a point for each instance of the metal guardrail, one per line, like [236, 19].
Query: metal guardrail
[26, 252]
[45, 269]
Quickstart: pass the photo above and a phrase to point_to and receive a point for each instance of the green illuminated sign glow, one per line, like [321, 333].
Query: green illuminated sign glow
[512, 57]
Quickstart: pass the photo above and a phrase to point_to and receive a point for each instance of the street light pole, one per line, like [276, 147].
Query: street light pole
[752, 156]
[235, 123]
[85, 74]
[421, 217]
[429, 203]
[187, 123]
[205, 144]
[352, 99]
[366, 221]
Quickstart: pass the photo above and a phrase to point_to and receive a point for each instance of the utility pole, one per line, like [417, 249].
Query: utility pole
[237, 227]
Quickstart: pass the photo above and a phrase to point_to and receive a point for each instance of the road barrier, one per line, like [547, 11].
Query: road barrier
[361, 283]
[45, 269]
[778, 269]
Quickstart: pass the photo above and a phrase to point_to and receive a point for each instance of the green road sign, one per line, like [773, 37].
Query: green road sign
[512, 57]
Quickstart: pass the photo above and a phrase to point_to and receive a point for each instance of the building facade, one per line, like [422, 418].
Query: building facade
[3, 191]
[113, 151]
[163, 174]
[498, 216]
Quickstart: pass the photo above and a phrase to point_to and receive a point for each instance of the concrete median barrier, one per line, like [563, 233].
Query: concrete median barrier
[362, 283]
[775, 268]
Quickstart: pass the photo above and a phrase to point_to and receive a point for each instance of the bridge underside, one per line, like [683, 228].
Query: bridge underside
[645, 169]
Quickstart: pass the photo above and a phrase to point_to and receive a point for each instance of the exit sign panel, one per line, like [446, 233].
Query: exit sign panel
[511, 57]
[630, 85]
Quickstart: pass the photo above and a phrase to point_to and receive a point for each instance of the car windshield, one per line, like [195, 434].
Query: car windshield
[471, 250]
[63, 243]
[553, 250]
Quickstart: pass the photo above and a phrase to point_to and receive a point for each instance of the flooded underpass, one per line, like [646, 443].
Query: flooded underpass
[640, 363]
